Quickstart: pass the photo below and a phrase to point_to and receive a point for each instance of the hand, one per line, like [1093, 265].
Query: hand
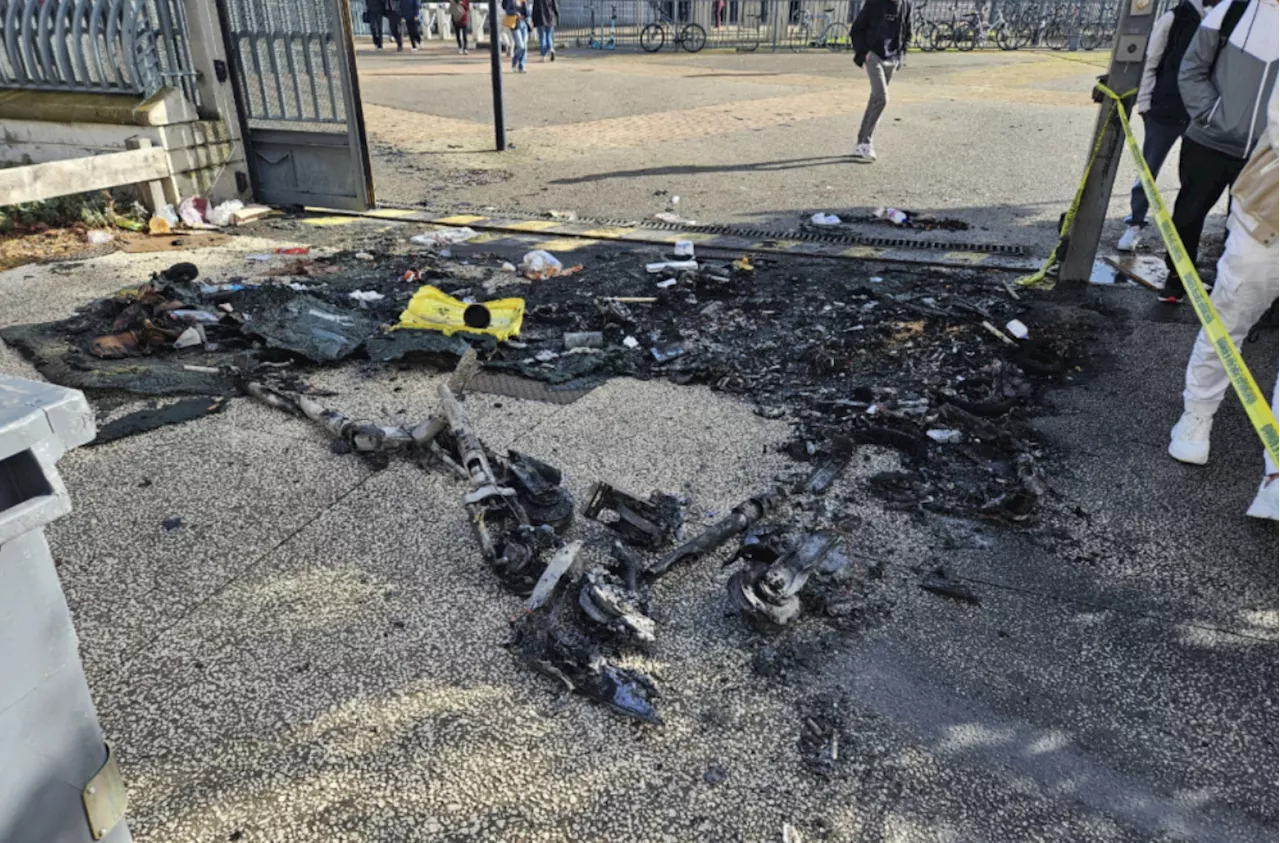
[859, 59]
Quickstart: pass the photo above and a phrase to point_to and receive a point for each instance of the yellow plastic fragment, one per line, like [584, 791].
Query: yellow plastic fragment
[434, 310]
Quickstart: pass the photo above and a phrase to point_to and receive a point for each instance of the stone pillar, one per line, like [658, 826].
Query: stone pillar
[209, 59]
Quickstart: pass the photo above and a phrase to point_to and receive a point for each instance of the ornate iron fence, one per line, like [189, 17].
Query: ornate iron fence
[104, 46]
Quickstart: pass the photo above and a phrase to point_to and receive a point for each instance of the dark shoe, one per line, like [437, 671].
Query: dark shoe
[1171, 299]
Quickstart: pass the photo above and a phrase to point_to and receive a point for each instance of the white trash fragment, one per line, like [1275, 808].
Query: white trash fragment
[99, 238]
[366, 295]
[675, 200]
[996, 332]
[684, 248]
[363, 256]
[674, 219]
[192, 212]
[893, 215]
[508, 267]
[539, 265]
[191, 336]
[666, 285]
[567, 216]
[546, 356]
[876, 279]
[168, 214]
[1017, 329]
[671, 266]
[824, 219]
[944, 436]
[631, 342]
[444, 237]
[220, 215]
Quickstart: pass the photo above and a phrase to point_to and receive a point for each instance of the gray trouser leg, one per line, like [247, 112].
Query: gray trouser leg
[880, 72]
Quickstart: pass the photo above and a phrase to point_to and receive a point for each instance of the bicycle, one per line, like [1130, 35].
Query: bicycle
[610, 42]
[972, 32]
[692, 37]
[834, 37]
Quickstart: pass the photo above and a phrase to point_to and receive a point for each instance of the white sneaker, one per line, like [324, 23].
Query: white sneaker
[863, 153]
[1267, 503]
[1130, 239]
[1189, 439]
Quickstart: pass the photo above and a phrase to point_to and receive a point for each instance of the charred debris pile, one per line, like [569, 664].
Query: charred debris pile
[943, 367]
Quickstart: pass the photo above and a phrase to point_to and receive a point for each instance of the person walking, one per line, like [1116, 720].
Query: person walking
[717, 13]
[411, 11]
[1248, 284]
[546, 17]
[880, 34]
[375, 11]
[520, 35]
[1226, 78]
[460, 14]
[1164, 117]
[505, 40]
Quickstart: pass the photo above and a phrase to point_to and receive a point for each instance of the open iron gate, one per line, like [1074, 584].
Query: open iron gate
[294, 69]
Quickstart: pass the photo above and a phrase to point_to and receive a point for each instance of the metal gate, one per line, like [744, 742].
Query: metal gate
[294, 70]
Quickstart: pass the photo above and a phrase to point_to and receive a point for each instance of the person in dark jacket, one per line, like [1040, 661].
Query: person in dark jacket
[376, 10]
[411, 11]
[1164, 117]
[880, 35]
[546, 17]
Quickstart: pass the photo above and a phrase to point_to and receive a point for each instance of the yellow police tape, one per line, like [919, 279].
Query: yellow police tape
[1041, 278]
[1255, 405]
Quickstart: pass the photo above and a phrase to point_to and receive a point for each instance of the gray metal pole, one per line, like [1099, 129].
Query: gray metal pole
[1136, 18]
[495, 71]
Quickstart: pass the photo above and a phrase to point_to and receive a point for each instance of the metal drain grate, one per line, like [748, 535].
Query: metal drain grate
[514, 386]
[755, 233]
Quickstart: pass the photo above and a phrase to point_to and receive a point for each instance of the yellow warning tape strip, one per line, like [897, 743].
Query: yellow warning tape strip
[1255, 405]
[1041, 278]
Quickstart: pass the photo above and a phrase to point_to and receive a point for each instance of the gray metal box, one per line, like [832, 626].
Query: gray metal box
[55, 771]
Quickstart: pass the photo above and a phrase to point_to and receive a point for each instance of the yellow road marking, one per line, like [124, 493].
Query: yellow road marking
[391, 213]
[533, 225]
[459, 219]
[863, 252]
[967, 257]
[321, 221]
[565, 244]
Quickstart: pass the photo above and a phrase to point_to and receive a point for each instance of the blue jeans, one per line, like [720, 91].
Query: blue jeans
[546, 39]
[520, 48]
[1159, 136]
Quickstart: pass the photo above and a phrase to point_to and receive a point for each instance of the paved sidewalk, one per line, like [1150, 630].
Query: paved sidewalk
[995, 139]
[316, 654]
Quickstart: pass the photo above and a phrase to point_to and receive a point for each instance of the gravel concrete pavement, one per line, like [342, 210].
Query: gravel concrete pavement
[997, 140]
[316, 653]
